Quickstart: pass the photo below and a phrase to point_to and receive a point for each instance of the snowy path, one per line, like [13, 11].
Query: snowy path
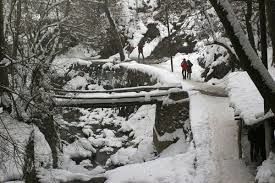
[217, 149]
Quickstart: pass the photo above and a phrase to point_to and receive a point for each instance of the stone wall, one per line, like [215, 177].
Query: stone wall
[120, 77]
[110, 76]
[171, 121]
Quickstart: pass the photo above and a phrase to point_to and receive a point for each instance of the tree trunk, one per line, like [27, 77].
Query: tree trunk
[210, 22]
[50, 131]
[264, 60]
[29, 170]
[249, 60]
[68, 7]
[114, 30]
[270, 9]
[248, 23]
[4, 81]
[17, 29]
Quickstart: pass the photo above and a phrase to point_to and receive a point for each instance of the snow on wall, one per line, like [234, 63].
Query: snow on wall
[80, 51]
[163, 76]
[61, 65]
[244, 97]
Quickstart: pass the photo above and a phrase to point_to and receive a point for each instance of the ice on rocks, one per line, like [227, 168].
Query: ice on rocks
[80, 148]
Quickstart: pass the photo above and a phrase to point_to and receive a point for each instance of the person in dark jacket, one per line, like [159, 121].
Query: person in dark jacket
[189, 69]
[184, 67]
[140, 49]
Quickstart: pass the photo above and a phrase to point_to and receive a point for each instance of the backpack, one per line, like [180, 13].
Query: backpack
[184, 65]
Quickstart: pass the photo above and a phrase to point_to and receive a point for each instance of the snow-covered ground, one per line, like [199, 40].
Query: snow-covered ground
[224, 143]
[170, 167]
[215, 136]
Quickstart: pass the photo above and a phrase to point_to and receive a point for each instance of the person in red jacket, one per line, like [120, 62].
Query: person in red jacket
[184, 67]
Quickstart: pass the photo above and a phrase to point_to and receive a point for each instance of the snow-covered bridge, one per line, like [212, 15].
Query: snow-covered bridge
[115, 98]
[172, 106]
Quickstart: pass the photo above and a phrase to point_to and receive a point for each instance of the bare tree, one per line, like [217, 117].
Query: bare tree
[114, 30]
[249, 60]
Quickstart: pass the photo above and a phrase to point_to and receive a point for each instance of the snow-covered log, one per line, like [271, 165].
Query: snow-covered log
[249, 60]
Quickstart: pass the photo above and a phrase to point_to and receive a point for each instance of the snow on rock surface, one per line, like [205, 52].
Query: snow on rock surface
[266, 172]
[19, 133]
[76, 83]
[175, 169]
[61, 65]
[63, 175]
[80, 51]
[42, 150]
[141, 123]
[150, 46]
[80, 148]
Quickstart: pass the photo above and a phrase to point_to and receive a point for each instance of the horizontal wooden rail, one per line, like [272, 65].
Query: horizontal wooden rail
[119, 90]
[111, 101]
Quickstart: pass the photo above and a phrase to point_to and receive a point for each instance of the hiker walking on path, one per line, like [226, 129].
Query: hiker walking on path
[189, 69]
[140, 49]
[184, 66]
